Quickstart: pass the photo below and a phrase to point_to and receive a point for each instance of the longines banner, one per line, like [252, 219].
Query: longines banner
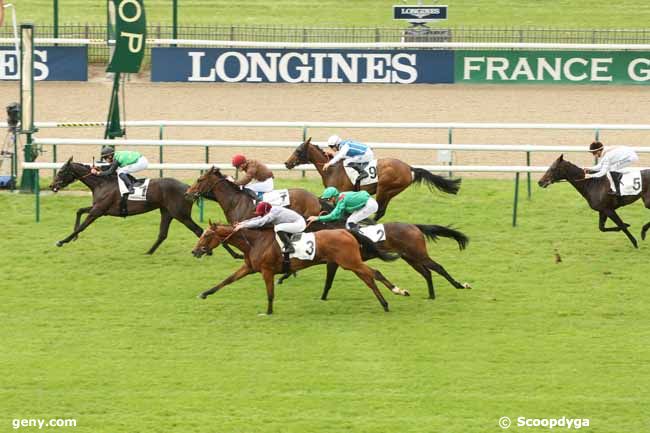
[50, 64]
[201, 65]
[565, 67]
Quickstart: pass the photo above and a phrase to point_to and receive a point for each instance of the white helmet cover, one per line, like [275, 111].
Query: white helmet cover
[334, 140]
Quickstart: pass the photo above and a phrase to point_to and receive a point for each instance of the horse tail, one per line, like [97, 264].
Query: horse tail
[368, 246]
[433, 231]
[450, 186]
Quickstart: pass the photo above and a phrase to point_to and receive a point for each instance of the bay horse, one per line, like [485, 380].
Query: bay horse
[237, 204]
[393, 175]
[596, 192]
[262, 254]
[166, 194]
[407, 240]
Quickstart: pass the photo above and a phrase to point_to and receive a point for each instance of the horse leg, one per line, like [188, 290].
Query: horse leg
[426, 274]
[602, 219]
[392, 287]
[619, 222]
[329, 279]
[165, 220]
[643, 230]
[366, 273]
[93, 214]
[382, 200]
[197, 230]
[80, 212]
[437, 268]
[239, 274]
[267, 274]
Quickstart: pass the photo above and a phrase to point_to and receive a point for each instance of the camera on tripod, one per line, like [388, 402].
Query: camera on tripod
[13, 116]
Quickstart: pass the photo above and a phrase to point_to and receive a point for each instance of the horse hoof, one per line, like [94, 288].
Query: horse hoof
[201, 296]
[400, 292]
[59, 243]
[466, 286]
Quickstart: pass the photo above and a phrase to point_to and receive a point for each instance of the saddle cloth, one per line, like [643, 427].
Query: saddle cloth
[141, 186]
[631, 183]
[371, 169]
[277, 197]
[303, 243]
[376, 233]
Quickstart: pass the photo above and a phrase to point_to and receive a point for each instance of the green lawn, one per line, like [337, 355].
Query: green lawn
[101, 333]
[498, 13]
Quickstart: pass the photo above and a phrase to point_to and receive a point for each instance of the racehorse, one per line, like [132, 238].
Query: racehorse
[393, 175]
[262, 254]
[237, 205]
[407, 240]
[165, 194]
[596, 192]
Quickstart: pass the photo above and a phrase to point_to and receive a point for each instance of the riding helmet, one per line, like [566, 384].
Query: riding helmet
[238, 160]
[334, 141]
[262, 208]
[330, 192]
[595, 146]
[106, 151]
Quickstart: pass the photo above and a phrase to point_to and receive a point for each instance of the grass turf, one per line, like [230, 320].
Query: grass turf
[499, 13]
[99, 332]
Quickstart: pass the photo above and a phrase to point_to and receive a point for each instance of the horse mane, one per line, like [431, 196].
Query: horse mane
[233, 186]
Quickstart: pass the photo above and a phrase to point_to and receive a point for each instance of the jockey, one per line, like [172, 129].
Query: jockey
[612, 159]
[123, 162]
[285, 222]
[358, 204]
[358, 154]
[257, 177]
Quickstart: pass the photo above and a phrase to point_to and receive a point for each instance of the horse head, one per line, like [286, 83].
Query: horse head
[561, 169]
[211, 238]
[204, 184]
[300, 155]
[65, 176]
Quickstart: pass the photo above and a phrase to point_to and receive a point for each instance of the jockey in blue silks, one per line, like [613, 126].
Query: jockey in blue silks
[359, 155]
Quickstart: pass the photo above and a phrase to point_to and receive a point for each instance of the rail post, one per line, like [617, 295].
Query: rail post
[528, 174]
[514, 207]
[54, 160]
[160, 150]
[449, 141]
[304, 138]
[37, 194]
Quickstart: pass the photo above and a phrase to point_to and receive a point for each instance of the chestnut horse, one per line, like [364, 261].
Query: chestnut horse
[262, 254]
[237, 205]
[165, 194]
[596, 192]
[393, 175]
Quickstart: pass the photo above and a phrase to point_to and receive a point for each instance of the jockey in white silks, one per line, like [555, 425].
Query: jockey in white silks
[611, 159]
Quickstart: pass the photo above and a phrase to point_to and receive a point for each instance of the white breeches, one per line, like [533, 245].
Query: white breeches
[366, 157]
[363, 213]
[294, 227]
[619, 165]
[139, 165]
[266, 186]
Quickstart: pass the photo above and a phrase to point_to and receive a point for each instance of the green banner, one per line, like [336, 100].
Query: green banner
[129, 21]
[563, 67]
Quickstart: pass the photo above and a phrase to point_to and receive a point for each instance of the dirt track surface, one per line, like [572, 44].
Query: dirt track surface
[70, 102]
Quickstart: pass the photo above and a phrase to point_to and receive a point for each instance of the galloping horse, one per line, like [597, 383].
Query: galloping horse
[393, 175]
[596, 192]
[237, 205]
[262, 254]
[165, 194]
[407, 240]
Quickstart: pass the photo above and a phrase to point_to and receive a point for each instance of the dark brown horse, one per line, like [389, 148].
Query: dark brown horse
[165, 194]
[237, 205]
[393, 175]
[407, 240]
[596, 192]
[262, 254]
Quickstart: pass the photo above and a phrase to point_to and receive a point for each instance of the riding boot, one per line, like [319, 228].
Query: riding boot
[127, 182]
[354, 227]
[616, 178]
[252, 194]
[360, 168]
[286, 240]
[123, 205]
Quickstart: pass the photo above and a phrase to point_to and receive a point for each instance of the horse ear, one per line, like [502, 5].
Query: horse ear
[561, 158]
[69, 160]
[308, 141]
[210, 222]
